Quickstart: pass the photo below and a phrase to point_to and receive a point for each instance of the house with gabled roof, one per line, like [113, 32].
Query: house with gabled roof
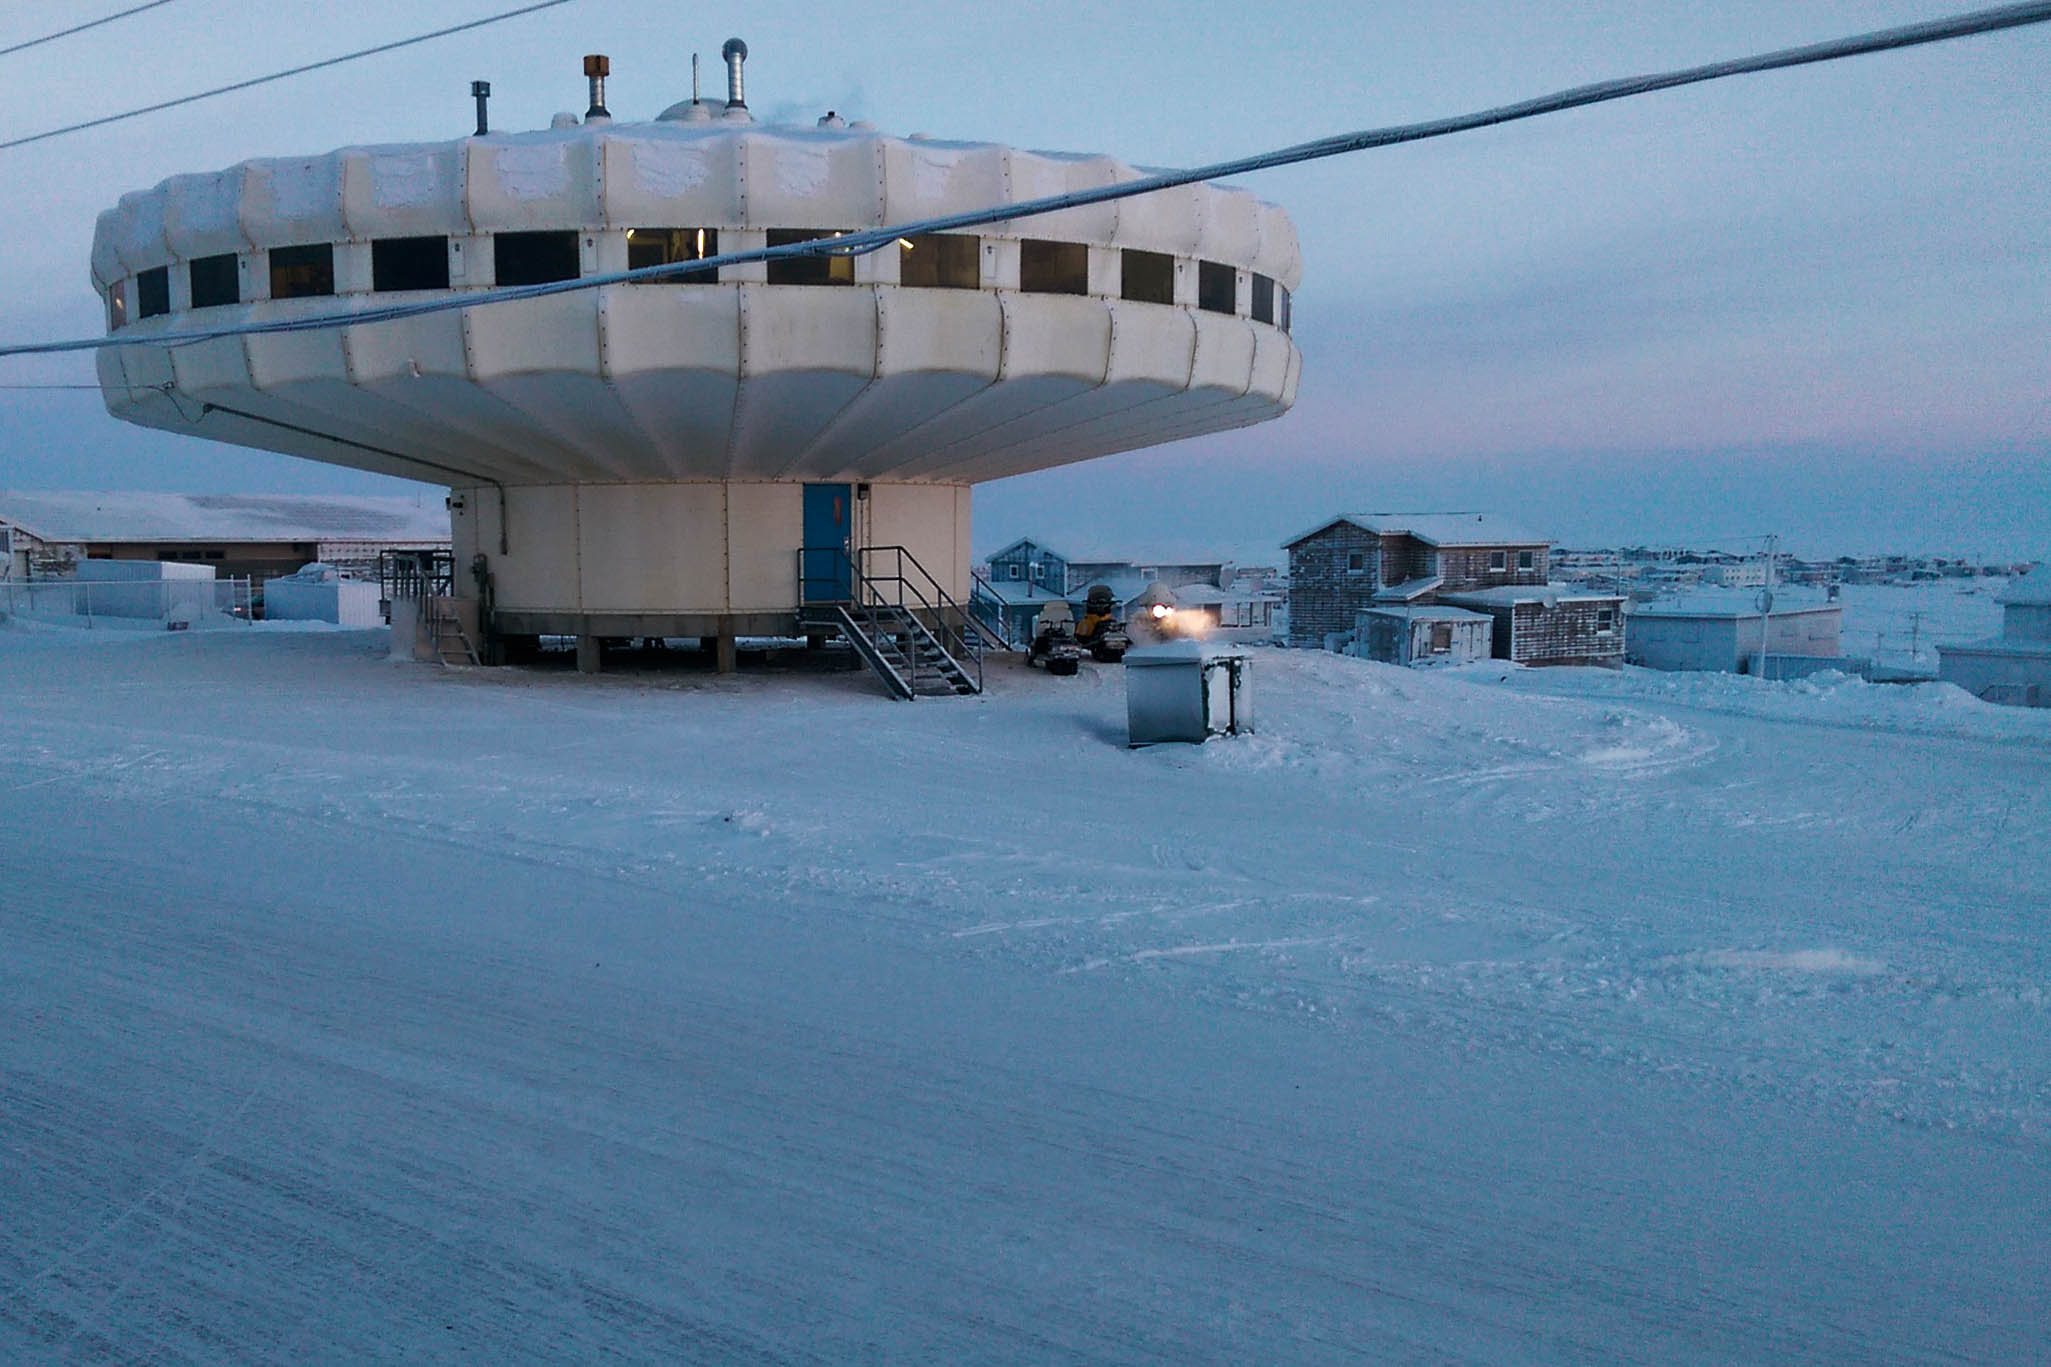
[1355, 564]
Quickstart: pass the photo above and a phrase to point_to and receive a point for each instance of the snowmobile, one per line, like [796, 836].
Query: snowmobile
[1101, 633]
[1054, 644]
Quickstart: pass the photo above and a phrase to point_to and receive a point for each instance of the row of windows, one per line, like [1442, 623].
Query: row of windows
[928, 261]
[1498, 561]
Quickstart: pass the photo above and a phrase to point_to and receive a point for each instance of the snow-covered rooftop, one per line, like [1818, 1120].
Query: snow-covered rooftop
[1731, 603]
[1437, 529]
[126, 515]
[2033, 589]
[1509, 595]
[1427, 612]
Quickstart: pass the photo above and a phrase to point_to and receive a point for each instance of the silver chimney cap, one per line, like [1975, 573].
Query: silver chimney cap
[734, 53]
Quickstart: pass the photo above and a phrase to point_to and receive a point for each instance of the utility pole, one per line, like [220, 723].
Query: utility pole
[1766, 605]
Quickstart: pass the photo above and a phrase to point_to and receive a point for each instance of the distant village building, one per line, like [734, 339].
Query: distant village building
[1027, 574]
[1730, 630]
[2014, 667]
[45, 534]
[1357, 568]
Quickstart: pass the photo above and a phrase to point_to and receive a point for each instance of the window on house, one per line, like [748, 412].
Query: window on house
[1263, 299]
[1527, 560]
[1146, 277]
[409, 263]
[153, 292]
[1356, 562]
[302, 272]
[117, 305]
[1498, 561]
[217, 555]
[1014, 570]
[1605, 619]
[668, 246]
[1441, 637]
[942, 261]
[1216, 288]
[1053, 267]
[534, 258]
[808, 270]
[215, 281]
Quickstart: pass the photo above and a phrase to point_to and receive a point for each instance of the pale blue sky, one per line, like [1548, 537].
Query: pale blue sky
[1813, 303]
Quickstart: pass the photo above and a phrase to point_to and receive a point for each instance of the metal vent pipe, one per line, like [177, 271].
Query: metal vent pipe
[596, 69]
[481, 92]
[735, 52]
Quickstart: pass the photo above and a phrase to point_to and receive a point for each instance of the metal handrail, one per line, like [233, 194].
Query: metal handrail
[864, 589]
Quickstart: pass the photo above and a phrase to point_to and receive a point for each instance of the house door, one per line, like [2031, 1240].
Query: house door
[828, 572]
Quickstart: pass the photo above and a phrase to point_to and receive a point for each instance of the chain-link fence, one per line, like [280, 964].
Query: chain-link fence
[135, 604]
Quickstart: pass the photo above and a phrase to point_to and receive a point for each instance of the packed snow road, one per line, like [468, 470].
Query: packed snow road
[353, 1011]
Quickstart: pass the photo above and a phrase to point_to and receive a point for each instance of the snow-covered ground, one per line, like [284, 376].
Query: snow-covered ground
[353, 1010]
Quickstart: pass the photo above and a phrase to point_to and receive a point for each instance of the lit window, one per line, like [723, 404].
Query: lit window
[1146, 277]
[946, 261]
[302, 272]
[667, 246]
[117, 305]
[1053, 267]
[409, 263]
[215, 281]
[534, 258]
[153, 292]
[1216, 288]
[808, 270]
[1527, 560]
[1263, 299]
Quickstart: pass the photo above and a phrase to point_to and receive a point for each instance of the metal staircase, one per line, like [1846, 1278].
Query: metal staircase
[915, 637]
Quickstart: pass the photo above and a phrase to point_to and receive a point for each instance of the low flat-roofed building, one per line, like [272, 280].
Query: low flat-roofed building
[2014, 667]
[1726, 630]
[254, 536]
[1433, 634]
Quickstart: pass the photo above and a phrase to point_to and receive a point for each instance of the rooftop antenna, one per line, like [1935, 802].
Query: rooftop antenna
[481, 92]
[694, 78]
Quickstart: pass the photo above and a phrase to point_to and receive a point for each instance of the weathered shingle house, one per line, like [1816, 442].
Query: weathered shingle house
[1358, 563]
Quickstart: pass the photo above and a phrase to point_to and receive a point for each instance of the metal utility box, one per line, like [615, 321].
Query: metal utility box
[1182, 692]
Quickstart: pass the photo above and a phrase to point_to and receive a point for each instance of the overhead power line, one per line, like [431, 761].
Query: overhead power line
[279, 75]
[81, 28]
[876, 239]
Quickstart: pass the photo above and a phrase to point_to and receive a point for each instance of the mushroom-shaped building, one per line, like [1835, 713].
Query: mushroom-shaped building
[650, 458]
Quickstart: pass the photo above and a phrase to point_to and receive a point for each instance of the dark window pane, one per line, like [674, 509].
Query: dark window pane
[808, 270]
[153, 292]
[1263, 299]
[1284, 310]
[302, 272]
[667, 246]
[947, 261]
[215, 281]
[1216, 288]
[1148, 277]
[117, 305]
[409, 263]
[534, 258]
[1053, 267]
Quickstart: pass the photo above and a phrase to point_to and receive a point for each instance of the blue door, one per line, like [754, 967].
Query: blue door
[827, 570]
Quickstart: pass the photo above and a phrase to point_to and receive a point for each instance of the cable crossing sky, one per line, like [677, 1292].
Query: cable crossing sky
[875, 239]
[274, 76]
[81, 28]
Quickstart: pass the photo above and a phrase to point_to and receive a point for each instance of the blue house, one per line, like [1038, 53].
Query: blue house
[1024, 577]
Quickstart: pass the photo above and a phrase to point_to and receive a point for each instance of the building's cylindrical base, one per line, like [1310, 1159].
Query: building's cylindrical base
[702, 559]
